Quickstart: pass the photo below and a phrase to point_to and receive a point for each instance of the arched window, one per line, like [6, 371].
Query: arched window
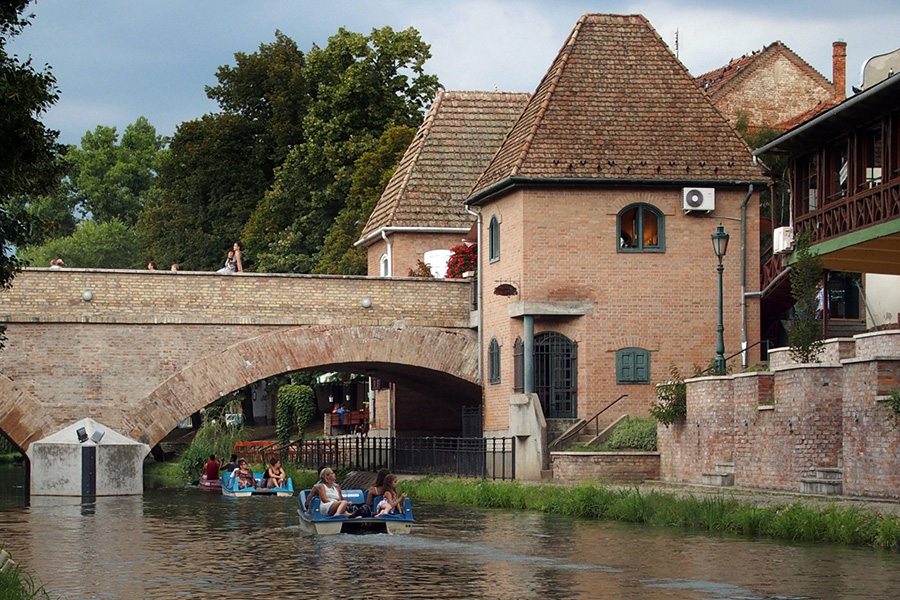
[518, 366]
[494, 239]
[385, 266]
[640, 228]
[632, 365]
[555, 374]
[494, 361]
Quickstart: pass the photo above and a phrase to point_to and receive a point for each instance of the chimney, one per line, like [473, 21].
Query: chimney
[839, 70]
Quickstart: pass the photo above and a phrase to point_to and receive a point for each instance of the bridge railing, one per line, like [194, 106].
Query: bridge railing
[493, 458]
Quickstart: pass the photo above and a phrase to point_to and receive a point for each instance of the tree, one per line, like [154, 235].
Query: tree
[29, 152]
[110, 180]
[805, 331]
[373, 171]
[210, 181]
[108, 245]
[359, 89]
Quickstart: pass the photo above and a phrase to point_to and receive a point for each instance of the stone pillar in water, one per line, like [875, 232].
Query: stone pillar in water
[87, 459]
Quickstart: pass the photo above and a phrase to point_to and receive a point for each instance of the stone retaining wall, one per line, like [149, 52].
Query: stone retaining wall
[615, 467]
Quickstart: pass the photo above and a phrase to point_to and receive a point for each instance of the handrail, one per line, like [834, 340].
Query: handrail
[584, 425]
[707, 370]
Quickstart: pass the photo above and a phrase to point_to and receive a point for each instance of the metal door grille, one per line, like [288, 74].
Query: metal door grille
[555, 361]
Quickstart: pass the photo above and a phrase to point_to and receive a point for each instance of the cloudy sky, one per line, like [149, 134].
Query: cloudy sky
[116, 60]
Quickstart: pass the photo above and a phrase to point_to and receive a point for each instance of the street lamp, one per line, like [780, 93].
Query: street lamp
[720, 246]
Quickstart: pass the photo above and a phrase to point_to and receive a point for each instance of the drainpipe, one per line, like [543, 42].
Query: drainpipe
[528, 359]
[478, 288]
[744, 276]
[390, 258]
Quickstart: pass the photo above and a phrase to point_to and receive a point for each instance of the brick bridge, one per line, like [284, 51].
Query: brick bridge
[140, 350]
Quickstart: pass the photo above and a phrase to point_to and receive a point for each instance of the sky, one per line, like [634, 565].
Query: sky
[117, 60]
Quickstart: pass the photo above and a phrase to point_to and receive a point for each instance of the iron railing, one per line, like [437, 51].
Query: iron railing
[492, 458]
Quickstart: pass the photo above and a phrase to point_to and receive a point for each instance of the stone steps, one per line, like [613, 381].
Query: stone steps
[723, 476]
[828, 481]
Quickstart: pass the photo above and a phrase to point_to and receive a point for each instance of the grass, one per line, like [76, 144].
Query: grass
[17, 584]
[794, 522]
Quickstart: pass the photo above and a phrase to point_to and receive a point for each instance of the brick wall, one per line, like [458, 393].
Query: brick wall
[779, 91]
[615, 467]
[407, 248]
[795, 419]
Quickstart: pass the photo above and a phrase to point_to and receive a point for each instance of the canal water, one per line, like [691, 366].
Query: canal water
[186, 543]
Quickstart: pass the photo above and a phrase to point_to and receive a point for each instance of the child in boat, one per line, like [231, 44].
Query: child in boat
[391, 501]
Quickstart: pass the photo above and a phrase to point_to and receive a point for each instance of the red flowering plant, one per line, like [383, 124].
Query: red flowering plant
[463, 259]
[421, 270]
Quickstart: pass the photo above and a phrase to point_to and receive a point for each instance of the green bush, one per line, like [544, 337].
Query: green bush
[634, 434]
[671, 399]
[16, 584]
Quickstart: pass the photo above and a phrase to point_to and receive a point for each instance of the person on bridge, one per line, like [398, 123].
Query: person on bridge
[212, 468]
[238, 255]
[230, 265]
[333, 503]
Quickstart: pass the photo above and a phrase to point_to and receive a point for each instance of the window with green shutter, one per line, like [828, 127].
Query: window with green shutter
[632, 365]
[494, 240]
[494, 361]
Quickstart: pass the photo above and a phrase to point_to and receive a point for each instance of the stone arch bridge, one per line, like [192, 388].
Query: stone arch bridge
[140, 351]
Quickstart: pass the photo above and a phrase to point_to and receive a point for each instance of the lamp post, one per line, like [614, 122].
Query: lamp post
[720, 246]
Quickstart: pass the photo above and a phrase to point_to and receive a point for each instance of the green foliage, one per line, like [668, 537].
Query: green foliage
[671, 399]
[714, 514]
[634, 434]
[373, 171]
[109, 245]
[805, 331]
[296, 408]
[463, 259]
[29, 153]
[215, 436]
[17, 584]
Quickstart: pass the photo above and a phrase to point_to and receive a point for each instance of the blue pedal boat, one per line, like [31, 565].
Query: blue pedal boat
[314, 521]
[230, 488]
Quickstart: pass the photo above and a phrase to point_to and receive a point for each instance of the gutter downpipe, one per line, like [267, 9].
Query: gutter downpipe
[744, 276]
[389, 253]
[478, 288]
[390, 398]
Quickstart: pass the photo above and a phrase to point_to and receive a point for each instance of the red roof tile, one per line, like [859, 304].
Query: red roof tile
[450, 150]
[616, 104]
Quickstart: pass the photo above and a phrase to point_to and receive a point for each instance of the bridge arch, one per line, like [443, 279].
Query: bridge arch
[446, 354]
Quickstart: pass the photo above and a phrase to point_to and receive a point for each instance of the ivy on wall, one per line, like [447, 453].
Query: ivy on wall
[296, 408]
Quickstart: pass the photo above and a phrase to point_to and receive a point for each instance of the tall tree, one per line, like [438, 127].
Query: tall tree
[28, 150]
[110, 180]
[361, 86]
[210, 182]
[108, 245]
[371, 175]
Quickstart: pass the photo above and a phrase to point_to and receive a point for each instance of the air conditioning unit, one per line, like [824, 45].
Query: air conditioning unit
[783, 240]
[698, 199]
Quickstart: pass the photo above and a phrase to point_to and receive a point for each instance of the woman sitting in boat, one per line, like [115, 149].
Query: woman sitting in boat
[275, 476]
[378, 488]
[333, 503]
[244, 475]
[391, 501]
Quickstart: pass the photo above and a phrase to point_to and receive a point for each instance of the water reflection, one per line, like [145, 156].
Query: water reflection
[183, 542]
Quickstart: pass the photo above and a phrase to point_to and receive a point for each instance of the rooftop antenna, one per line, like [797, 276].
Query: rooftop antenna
[676, 44]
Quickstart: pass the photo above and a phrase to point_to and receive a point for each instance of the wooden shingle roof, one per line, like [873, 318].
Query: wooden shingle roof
[460, 134]
[617, 105]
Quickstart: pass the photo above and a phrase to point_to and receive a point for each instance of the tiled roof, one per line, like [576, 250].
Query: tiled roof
[815, 111]
[724, 77]
[450, 150]
[616, 104]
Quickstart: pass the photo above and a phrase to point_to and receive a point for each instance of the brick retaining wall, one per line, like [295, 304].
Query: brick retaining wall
[616, 467]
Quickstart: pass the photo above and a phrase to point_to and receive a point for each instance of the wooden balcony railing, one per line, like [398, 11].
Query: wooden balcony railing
[869, 207]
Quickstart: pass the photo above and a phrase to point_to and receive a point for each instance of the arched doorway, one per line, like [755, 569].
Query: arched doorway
[555, 374]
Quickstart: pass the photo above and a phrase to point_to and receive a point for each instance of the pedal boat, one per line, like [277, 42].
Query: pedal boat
[315, 522]
[230, 488]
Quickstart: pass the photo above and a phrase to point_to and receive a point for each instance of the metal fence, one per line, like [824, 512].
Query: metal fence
[493, 458]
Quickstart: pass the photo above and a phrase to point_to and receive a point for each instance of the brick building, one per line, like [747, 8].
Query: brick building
[595, 273]
[774, 87]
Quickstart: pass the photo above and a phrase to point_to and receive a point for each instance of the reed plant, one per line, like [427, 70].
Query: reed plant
[17, 584]
[719, 514]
